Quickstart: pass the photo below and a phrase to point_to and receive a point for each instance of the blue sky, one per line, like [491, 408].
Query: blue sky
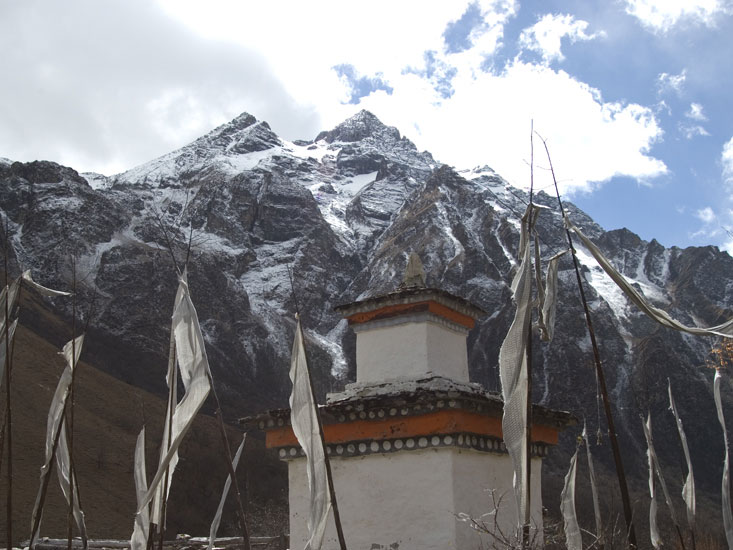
[633, 96]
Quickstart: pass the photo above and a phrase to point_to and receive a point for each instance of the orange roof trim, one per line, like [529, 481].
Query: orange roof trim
[435, 423]
[397, 310]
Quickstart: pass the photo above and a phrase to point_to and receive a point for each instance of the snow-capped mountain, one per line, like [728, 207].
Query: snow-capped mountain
[341, 213]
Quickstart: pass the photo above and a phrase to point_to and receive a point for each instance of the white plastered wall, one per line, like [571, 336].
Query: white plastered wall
[409, 350]
[410, 500]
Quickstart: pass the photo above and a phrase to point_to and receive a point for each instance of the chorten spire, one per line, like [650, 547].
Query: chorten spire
[414, 273]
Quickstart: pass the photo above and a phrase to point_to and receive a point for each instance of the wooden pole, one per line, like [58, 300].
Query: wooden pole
[628, 516]
[44, 483]
[232, 472]
[331, 490]
[528, 331]
[70, 410]
[329, 476]
[8, 410]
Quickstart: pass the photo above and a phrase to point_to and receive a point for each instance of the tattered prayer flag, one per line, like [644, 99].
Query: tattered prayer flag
[194, 367]
[141, 529]
[688, 489]
[4, 347]
[513, 371]
[658, 315]
[653, 528]
[55, 434]
[600, 535]
[40, 288]
[227, 485]
[725, 489]
[304, 420]
[573, 538]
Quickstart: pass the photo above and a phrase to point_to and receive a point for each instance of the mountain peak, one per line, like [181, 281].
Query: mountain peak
[355, 128]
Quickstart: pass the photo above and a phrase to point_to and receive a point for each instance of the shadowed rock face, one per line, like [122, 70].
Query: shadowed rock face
[342, 213]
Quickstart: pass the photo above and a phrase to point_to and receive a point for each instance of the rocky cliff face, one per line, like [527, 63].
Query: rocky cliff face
[341, 214]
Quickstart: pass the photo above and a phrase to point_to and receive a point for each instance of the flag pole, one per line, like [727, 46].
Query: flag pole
[623, 487]
[528, 458]
[327, 461]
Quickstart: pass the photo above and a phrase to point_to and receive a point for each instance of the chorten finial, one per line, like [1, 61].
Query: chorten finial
[414, 273]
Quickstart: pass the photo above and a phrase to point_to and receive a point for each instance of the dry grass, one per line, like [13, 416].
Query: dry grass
[108, 417]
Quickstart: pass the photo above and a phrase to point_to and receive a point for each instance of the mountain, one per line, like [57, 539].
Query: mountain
[338, 215]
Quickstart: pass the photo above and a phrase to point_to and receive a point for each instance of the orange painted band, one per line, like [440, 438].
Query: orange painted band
[402, 309]
[439, 422]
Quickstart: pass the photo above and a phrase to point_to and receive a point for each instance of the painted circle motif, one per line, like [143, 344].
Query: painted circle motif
[410, 443]
[423, 442]
[386, 445]
[398, 444]
[374, 446]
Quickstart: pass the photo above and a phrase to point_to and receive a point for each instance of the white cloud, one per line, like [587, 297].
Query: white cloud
[671, 82]
[726, 159]
[113, 102]
[487, 120]
[690, 131]
[696, 112]
[662, 15]
[545, 36]
[706, 215]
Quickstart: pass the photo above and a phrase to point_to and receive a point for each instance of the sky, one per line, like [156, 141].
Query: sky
[633, 97]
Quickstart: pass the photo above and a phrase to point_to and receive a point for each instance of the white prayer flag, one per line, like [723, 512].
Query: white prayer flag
[573, 538]
[194, 367]
[725, 485]
[513, 371]
[688, 489]
[55, 425]
[660, 316]
[40, 288]
[227, 485]
[600, 535]
[653, 529]
[304, 420]
[141, 529]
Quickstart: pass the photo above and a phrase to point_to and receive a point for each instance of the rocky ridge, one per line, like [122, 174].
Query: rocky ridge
[341, 213]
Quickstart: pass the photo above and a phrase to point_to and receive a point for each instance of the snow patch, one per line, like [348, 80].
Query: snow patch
[315, 151]
[331, 343]
[603, 284]
[357, 183]
[98, 182]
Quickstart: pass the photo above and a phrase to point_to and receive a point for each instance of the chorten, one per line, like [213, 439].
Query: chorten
[416, 449]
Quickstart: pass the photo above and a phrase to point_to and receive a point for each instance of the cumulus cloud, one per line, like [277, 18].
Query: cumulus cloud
[590, 140]
[545, 36]
[690, 131]
[696, 112]
[127, 81]
[706, 215]
[662, 15]
[106, 86]
[726, 159]
[671, 82]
